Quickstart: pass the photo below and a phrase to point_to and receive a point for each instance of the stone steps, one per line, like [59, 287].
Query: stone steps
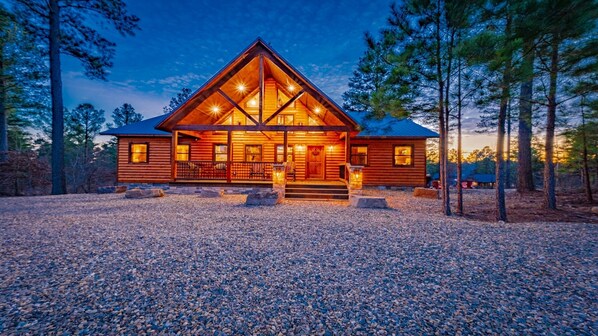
[316, 192]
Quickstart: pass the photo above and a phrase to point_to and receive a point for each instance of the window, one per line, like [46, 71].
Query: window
[253, 153]
[283, 99]
[313, 122]
[280, 154]
[182, 152]
[403, 155]
[138, 153]
[285, 119]
[359, 155]
[220, 153]
[248, 121]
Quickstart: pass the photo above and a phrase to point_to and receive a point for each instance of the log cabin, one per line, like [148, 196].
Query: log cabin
[259, 111]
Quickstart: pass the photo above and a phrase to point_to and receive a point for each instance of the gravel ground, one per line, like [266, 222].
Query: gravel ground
[102, 264]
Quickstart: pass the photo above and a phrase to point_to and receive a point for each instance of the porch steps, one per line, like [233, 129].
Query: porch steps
[314, 191]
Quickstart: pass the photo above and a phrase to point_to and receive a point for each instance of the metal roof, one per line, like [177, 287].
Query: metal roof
[391, 127]
[145, 127]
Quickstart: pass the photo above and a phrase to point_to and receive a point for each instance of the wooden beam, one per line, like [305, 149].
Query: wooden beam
[261, 84]
[318, 96]
[229, 156]
[285, 145]
[210, 87]
[173, 145]
[265, 128]
[347, 147]
[287, 104]
[230, 100]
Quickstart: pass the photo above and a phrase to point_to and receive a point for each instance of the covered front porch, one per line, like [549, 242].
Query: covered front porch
[247, 157]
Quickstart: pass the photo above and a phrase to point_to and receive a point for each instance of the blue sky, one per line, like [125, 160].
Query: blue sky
[182, 43]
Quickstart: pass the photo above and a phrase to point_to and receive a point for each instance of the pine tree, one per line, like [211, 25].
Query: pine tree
[410, 68]
[63, 27]
[82, 125]
[22, 84]
[567, 44]
[177, 100]
[125, 115]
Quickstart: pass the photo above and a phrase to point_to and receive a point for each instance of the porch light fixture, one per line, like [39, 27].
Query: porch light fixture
[356, 178]
[241, 87]
[317, 110]
[291, 88]
[252, 102]
[279, 178]
[331, 148]
[215, 109]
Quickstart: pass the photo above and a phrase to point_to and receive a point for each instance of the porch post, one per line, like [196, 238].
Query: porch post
[285, 145]
[229, 156]
[173, 164]
[347, 147]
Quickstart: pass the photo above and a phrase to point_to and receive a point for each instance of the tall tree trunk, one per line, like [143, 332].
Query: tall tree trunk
[459, 144]
[443, 146]
[508, 162]
[58, 175]
[586, 169]
[3, 115]
[501, 210]
[549, 179]
[525, 174]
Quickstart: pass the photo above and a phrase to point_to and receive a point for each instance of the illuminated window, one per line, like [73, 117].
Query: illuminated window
[138, 153]
[403, 155]
[283, 99]
[182, 152]
[313, 122]
[280, 154]
[253, 153]
[285, 119]
[220, 153]
[359, 155]
[248, 121]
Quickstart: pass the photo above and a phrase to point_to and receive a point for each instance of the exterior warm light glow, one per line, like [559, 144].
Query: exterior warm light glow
[317, 110]
[291, 87]
[355, 178]
[215, 109]
[300, 148]
[279, 178]
[252, 102]
[241, 88]
[331, 148]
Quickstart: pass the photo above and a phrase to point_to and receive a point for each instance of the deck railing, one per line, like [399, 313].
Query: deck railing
[212, 170]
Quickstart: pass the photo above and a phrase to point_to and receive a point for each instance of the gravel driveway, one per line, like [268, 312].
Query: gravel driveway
[102, 264]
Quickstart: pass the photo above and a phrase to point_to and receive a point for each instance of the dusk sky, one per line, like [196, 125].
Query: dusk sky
[184, 43]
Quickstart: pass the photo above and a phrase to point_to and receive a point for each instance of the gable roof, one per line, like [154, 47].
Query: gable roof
[391, 127]
[145, 127]
[211, 89]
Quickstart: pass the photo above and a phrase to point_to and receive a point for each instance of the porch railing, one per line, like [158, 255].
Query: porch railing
[212, 170]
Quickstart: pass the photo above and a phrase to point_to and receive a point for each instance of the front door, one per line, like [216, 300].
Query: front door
[315, 162]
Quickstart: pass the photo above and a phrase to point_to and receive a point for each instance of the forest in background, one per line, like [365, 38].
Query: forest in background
[528, 68]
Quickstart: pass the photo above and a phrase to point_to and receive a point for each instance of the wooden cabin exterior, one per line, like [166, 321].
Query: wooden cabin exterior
[259, 111]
